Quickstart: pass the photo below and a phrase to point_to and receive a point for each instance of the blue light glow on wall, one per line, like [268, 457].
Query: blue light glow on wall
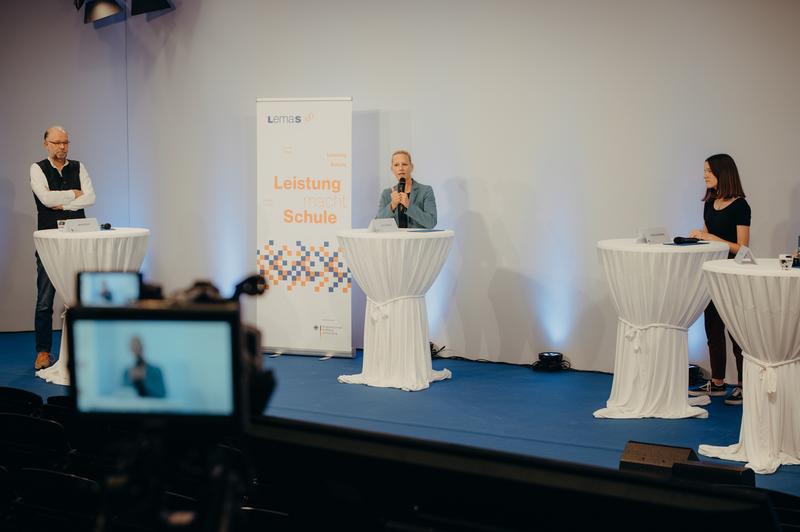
[228, 262]
[558, 260]
[553, 292]
[438, 300]
[554, 309]
[697, 343]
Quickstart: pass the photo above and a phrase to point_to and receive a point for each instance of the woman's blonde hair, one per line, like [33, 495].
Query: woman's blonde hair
[403, 152]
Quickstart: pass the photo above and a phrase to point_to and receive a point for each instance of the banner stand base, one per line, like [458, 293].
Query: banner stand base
[308, 352]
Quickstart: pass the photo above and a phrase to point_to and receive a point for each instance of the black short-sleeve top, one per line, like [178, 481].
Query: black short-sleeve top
[723, 223]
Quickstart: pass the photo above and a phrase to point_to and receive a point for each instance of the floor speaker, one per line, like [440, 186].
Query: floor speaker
[714, 473]
[654, 459]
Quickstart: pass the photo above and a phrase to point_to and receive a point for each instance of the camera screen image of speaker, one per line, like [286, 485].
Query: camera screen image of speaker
[108, 289]
[154, 363]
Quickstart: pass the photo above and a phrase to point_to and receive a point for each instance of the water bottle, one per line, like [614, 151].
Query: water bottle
[796, 260]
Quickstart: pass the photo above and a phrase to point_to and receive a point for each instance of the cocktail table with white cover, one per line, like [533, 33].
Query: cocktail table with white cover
[395, 270]
[65, 254]
[658, 292]
[760, 305]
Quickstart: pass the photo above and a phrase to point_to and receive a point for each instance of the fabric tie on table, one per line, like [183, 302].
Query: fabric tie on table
[633, 335]
[767, 371]
[380, 310]
[634, 331]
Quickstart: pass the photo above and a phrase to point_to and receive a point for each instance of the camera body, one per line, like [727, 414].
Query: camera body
[184, 361]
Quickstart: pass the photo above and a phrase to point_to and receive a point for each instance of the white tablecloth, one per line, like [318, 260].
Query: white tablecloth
[395, 270]
[658, 292]
[760, 305]
[65, 254]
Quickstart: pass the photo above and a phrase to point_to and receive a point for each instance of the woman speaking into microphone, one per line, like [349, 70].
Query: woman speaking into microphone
[410, 203]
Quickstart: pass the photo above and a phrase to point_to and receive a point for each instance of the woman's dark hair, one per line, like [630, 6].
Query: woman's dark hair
[728, 183]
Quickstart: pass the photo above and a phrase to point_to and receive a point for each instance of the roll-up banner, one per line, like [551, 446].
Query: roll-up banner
[303, 193]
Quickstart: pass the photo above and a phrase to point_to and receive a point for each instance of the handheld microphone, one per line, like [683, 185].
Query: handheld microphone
[105, 226]
[401, 187]
[685, 240]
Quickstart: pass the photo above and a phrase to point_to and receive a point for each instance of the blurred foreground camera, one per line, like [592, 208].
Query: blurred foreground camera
[174, 381]
[187, 356]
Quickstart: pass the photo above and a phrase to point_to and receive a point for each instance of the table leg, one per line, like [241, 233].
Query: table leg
[396, 348]
[58, 373]
[651, 377]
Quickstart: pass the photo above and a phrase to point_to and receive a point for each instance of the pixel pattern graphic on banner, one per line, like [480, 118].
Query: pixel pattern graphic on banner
[317, 267]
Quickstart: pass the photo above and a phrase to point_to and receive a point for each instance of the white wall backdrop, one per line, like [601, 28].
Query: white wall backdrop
[543, 127]
[55, 71]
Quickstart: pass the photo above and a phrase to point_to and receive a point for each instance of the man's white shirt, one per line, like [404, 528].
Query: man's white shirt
[66, 198]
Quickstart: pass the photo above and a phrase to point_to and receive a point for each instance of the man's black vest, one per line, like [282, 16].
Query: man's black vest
[68, 179]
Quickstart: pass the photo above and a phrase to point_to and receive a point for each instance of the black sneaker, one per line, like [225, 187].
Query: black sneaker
[735, 397]
[709, 388]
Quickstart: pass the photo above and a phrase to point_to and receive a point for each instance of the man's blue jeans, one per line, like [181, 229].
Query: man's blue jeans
[45, 292]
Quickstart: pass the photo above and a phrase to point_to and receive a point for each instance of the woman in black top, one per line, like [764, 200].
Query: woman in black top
[727, 219]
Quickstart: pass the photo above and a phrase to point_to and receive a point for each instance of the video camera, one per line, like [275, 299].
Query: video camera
[180, 360]
[170, 385]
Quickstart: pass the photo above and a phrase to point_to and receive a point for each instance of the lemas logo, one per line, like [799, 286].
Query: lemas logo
[284, 119]
[289, 119]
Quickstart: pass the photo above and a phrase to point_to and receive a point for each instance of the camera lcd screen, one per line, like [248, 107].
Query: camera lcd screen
[108, 289]
[182, 367]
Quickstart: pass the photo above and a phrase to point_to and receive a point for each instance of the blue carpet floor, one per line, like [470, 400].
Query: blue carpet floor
[494, 406]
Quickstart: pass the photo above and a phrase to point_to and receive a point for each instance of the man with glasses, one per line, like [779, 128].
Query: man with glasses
[61, 189]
